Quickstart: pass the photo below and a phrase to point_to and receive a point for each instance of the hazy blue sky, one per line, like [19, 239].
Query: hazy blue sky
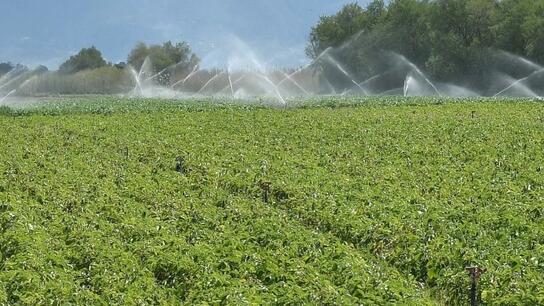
[48, 31]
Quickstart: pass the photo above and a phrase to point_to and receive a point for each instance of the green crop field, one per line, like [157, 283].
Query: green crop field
[142, 202]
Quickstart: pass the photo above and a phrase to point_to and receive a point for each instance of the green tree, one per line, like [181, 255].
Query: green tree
[350, 32]
[166, 58]
[87, 58]
[332, 31]
[461, 37]
[407, 30]
[510, 17]
[533, 33]
[138, 54]
[450, 39]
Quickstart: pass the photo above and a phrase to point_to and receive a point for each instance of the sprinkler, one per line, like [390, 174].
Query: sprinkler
[180, 165]
[475, 274]
[265, 187]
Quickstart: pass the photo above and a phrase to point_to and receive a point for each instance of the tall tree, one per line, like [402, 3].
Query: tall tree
[332, 31]
[168, 56]
[350, 32]
[510, 17]
[533, 33]
[461, 35]
[450, 39]
[406, 30]
[87, 58]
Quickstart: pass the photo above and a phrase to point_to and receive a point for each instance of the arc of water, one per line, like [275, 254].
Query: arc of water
[294, 82]
[9, 94]
[157, 74]
[519, 81]
[189, 76]
[162, 71]
[305, 66]
[367, 81]
[261, 76]
[416, 69]
[287, 76]
[275, 89]
[6, 76]
[145, 64]
[344, 71]
[353, 38]
[230, 83]
[390, 91]
[210, 81]
[333, 91]
[15, 79]
[136, 79]
[27, 81]
[233, 84]
[426, 79]
[13, 73]
[522, 59]
[361, 87]
[453, 90]
[406, 85]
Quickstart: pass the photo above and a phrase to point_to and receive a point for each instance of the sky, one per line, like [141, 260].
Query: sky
[49, 31]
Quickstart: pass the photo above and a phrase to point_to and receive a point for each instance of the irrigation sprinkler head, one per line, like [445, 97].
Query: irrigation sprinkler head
[475, 272]
[180, 165]
[265, 188]
[264, 185]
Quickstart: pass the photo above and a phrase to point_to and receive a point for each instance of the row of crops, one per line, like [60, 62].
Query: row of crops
[108, 201]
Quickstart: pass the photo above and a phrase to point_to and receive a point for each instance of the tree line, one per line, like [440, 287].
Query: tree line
[88, 71]
[450, 39]
[161, 56]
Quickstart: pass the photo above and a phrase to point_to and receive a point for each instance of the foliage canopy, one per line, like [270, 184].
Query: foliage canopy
[177, 56]
[87, 58]
[451, 39]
